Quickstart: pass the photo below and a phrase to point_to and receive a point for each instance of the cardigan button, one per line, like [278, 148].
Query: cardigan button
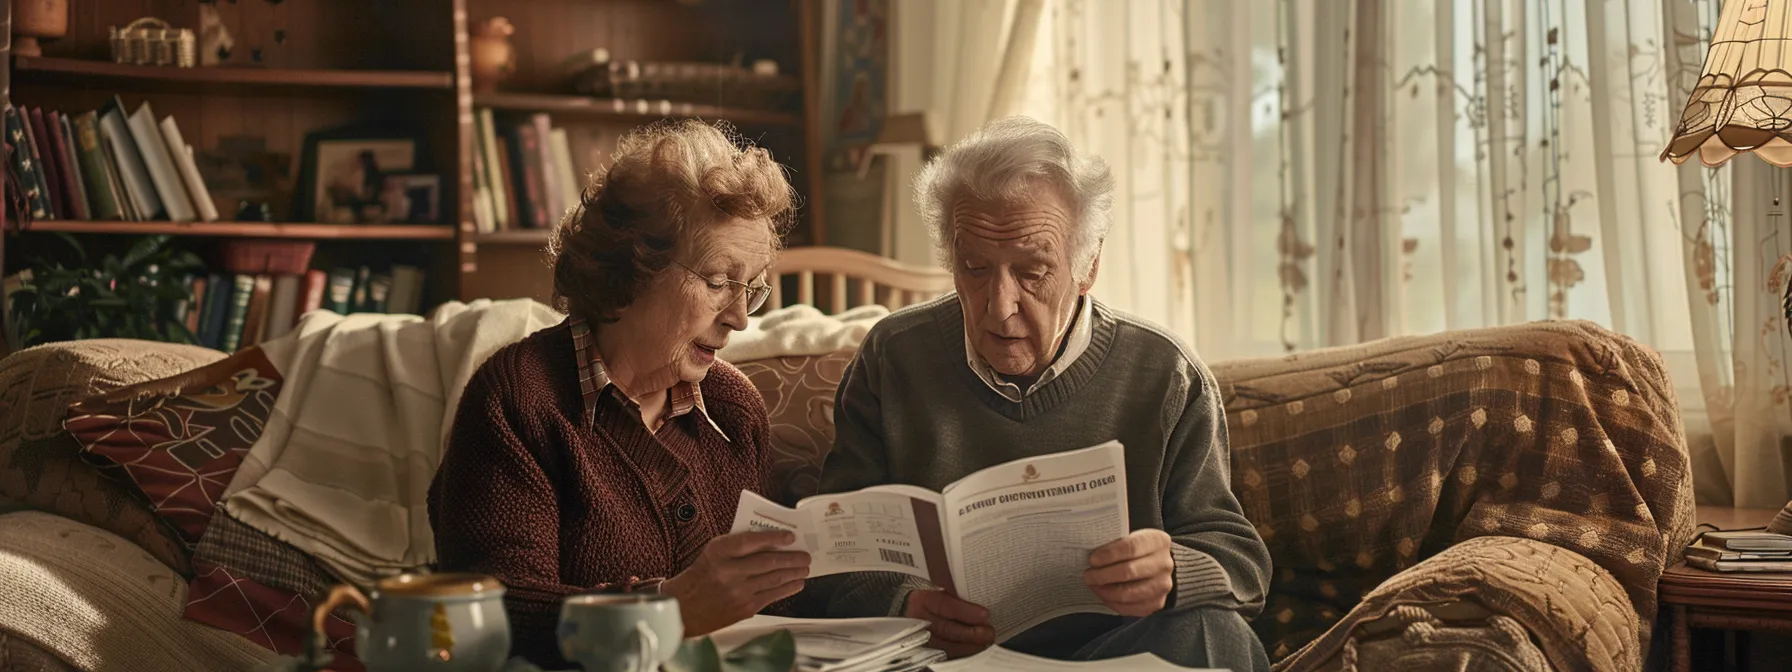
[686, 513]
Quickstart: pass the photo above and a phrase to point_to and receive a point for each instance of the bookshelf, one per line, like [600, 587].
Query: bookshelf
[299, 67]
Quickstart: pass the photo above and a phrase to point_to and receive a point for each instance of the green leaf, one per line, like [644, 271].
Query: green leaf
[143, 250]
[775, 652]
[80, 252]
[695, 655]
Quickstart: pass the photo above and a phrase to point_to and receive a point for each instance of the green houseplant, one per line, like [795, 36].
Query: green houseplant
[140, 295]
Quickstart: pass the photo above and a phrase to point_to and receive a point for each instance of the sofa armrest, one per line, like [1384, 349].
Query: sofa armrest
[1463, 603]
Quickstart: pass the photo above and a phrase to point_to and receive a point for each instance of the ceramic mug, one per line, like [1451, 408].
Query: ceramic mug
[628, 632]
[444, 622]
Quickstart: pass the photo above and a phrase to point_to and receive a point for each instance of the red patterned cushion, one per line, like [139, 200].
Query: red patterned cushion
[179, 439]
[277, 619]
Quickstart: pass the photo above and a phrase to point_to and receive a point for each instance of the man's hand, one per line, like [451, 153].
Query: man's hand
[959, 628]
[1133, 575]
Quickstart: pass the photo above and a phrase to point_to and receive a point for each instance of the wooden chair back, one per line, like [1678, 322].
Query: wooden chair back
[879, 280]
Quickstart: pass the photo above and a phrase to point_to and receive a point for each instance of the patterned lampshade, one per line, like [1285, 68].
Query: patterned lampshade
[1743, 100]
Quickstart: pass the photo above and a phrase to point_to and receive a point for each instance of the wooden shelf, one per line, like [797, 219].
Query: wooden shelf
[67, 69]
[630, 109]
[514, 237]
[254, 230]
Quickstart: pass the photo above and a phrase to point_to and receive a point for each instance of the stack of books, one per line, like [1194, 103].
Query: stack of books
[1741, 551]
[105, 164]
[524, 176]
[229, 312]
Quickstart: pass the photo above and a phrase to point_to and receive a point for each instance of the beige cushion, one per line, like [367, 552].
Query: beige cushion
[41, 465]
[99, 602]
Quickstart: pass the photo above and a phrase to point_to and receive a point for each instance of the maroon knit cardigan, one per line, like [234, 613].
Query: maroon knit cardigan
[528, 493]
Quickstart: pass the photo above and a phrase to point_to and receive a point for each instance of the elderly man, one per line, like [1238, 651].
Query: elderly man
[1021, 361]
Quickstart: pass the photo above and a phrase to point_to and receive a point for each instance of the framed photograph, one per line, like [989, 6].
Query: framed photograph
[412, 198]
[342, 176]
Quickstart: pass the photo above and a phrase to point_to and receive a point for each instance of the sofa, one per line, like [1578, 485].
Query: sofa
[1478, 500]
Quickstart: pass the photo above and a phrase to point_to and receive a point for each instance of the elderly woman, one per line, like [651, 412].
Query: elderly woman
[608, 453]
[1022, 360]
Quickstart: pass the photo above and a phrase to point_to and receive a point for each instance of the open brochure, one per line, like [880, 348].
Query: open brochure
[998, 659]
[1014, 538]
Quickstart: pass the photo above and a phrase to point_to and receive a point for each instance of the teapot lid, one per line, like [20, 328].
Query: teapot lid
[437, 585]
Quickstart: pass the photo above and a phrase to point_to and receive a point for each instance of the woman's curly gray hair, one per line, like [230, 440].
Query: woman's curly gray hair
[1001, 163]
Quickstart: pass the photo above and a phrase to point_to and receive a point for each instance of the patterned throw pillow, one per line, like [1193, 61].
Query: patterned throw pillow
[799, 400]
[180, 439]
[40, 464]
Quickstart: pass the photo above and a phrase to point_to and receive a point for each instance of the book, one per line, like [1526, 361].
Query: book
[256, 319]
[482, 193]
[37, 202]
[563, 167]
[145, 202]
[357, 301]
[379, 293]
[282, 314]
[1014, 538]
[126, 206]
[551, 197]
[219, 288]
[74, 202]
[407, 290]
[1720, 553]
[339, 291]
[102, 193]
[44, 148]
[72, 171]
[160, 165]
[495, 180]
[196, 305]
[525, 164]
[1748, 540]
[189, 171]
[1710, 565]
[311, 294]
[242, 288]
[45, 186]
[512, 212]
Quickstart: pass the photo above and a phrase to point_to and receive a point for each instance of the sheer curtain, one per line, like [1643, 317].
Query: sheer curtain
[1297, 174]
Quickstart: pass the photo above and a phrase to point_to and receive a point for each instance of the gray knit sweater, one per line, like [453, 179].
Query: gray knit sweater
[911, 411]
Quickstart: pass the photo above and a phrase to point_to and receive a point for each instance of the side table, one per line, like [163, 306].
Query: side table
[1695, 598]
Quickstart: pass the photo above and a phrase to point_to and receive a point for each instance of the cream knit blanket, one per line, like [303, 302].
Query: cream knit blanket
[343, 467]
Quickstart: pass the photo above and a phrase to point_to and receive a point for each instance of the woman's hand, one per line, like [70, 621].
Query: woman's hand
[736, 576]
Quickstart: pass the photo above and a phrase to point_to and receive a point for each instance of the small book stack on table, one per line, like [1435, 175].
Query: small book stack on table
[1741, 551]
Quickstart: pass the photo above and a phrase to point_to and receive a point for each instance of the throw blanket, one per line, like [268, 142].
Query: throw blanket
[343, 468]
[1358, 463]
[801, 329]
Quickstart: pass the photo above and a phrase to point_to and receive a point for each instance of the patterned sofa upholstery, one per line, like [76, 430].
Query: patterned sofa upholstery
[1481, 500]
[1491, 499]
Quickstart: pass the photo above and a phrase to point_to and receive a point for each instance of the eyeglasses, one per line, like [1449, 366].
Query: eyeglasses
[756, 294]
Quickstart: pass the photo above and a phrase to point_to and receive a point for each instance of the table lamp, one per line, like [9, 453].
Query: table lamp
[1743, 103]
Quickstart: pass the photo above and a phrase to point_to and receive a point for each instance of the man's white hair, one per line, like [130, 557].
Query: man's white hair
[999, 163]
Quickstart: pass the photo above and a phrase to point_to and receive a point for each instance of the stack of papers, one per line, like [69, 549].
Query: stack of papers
[998, 659]
[1741, 551]
[842, 644]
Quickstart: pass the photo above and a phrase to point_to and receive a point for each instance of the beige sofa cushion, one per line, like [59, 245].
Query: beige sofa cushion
[41, 465]
[99, 602]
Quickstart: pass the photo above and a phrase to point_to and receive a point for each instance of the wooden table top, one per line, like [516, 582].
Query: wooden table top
[1754, 591]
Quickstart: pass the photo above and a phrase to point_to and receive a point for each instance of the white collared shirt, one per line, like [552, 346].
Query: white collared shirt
[1081, 331]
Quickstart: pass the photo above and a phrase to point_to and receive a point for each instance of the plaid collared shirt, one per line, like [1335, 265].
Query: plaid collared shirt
[594, 379]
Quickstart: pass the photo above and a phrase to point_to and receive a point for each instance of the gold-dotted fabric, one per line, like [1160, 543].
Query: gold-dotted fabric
[1359, 463]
